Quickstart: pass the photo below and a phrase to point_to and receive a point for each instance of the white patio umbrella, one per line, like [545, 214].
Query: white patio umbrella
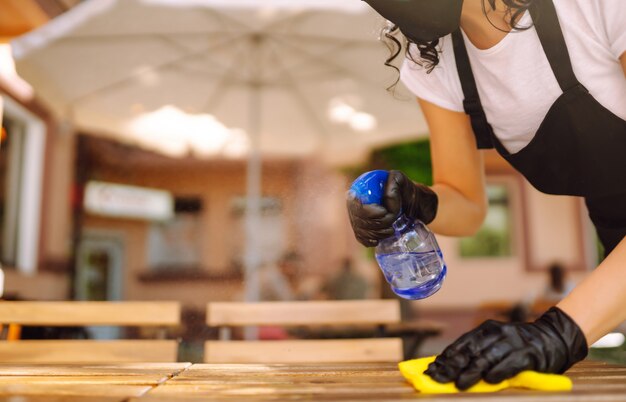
[223, 78]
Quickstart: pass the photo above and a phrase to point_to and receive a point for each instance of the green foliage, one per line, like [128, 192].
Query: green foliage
[486, 243]
[412, 158]
[600, 250]
[609, 355]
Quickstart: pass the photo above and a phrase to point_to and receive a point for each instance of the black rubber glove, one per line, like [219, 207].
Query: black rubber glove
[496, 351]
[372, 223]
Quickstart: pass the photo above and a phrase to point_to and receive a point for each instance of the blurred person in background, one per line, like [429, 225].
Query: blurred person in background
[544, 83]
[278, 280]
[347, 284]
[558, 285]
[536, 302]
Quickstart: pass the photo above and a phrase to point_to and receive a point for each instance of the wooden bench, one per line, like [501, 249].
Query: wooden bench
[502, 310]
[226, 315]
[493, 310]
[56, 314]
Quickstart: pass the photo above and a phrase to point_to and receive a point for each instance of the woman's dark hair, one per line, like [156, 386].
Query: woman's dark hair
[428, 51]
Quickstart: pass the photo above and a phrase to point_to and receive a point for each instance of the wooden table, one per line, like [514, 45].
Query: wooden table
[255, 383]
[83, 382]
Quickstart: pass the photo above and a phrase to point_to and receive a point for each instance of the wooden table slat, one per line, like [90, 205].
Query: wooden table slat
[389, 389]
[66, 398]
[127, 369]
[125, 391]
[593, 382]
[151, 380]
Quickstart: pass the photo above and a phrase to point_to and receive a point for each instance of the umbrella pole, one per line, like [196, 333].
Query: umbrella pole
[253, 206]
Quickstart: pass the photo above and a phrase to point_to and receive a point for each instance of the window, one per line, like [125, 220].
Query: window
[10, 161]
[494, 239]
[22, 142]
[272, 244]
[176, 244]
[593, 249]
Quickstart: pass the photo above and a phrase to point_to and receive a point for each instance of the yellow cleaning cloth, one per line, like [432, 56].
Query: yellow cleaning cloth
[413, 371]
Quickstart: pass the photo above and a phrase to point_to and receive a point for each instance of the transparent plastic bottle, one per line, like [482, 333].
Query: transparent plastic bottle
[411, 259]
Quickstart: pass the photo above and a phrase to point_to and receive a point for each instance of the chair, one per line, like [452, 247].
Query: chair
[227, 315]
[56, 314]
[493, 310]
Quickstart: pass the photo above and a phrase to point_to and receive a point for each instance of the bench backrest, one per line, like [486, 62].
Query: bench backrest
[305, 313]
[136, 314]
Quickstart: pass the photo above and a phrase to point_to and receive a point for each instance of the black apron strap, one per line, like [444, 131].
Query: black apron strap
[548, 29]
[472, 105]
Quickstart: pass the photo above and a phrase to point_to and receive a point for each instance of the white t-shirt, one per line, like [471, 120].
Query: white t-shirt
[515, 82]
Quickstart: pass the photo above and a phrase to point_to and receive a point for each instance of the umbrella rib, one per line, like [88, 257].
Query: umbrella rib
[189, 70]
[301, 98]
[222, 16]
[291, 19]
[172, 43]
[214, 99]
[184, 50]
[321, 59]
[272, 28]
[123, 81]
[330, 39]
[133, 36]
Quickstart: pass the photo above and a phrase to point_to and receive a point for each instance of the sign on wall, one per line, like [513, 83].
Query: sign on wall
[123, 201]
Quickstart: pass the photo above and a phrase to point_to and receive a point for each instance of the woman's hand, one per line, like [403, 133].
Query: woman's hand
[496, 351]
[372, 223]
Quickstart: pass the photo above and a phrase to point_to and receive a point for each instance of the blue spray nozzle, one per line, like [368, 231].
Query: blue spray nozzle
[369, 187]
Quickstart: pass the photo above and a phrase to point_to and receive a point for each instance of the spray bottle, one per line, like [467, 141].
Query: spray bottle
[411, 259]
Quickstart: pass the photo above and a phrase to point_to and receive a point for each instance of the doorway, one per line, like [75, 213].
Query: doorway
[99, 273]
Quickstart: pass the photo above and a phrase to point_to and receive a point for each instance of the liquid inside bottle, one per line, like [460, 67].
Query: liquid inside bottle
[411, 260]
[413, 275]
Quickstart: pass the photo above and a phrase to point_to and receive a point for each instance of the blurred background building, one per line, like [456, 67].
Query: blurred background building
[89, 217]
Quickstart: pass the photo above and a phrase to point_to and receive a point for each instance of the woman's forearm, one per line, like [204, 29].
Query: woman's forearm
[597, 304]
[457, 215]
[458, 172]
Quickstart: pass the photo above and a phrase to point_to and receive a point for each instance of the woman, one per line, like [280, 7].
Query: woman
[544, 83]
